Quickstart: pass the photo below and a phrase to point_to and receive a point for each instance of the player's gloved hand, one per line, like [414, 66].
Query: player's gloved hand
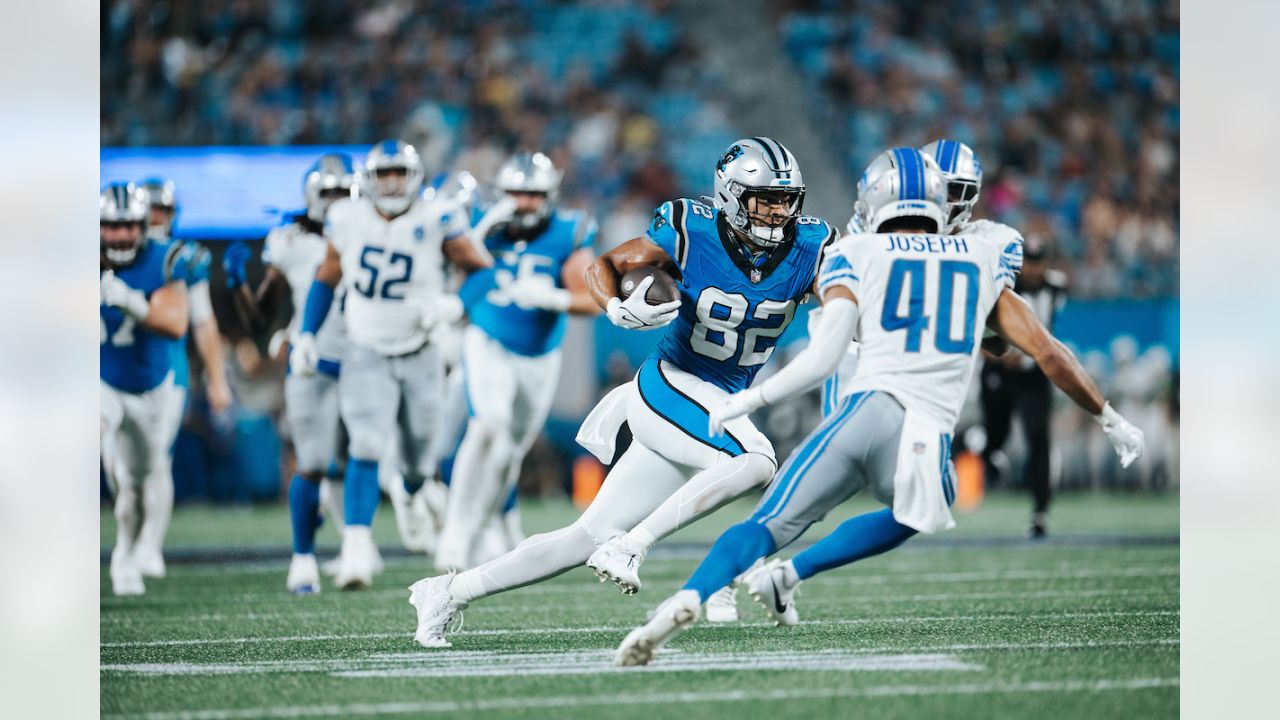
[440, 310]
[115, 292]
[234, 264]
[736, 405]
[1124, 435]
[538, 292]
[501, 212]
[304, 357]
[636, 314]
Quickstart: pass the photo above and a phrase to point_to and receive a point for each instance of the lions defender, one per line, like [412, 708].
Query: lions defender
[162, 210]
[742, 265]
[918, 301]
[291, 255]
[144, 312]
[511, 349]
[388, 252]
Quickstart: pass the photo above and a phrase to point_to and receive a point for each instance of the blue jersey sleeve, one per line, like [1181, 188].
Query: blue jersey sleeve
[476, 286]
[667, 230]
[584, 232]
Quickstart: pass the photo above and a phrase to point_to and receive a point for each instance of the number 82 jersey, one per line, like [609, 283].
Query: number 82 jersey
[923, 304]
[732, 310]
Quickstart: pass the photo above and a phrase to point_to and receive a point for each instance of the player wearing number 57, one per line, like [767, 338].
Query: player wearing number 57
[740, 265]
[387, 248]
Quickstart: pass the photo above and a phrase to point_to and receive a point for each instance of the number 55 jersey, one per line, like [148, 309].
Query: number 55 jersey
[923, 304]
[733, 306]
[391, 268]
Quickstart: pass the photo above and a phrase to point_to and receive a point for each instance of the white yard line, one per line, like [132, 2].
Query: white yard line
[565, 701]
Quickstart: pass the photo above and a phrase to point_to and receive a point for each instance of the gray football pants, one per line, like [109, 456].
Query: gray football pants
[402, 394]
[855, 447]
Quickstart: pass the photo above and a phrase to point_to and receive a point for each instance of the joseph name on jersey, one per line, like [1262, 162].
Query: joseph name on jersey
[391, 268]
[296, 251]
[732, 310]
[132, 358]
[923, 303]
[523, 331]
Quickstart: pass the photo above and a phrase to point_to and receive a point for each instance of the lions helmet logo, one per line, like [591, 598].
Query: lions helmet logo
[730, 155]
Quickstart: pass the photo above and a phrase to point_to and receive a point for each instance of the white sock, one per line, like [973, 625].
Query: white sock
[703, 493]
[790, 577]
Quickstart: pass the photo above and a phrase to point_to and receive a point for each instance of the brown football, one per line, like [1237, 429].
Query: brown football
[663, 289]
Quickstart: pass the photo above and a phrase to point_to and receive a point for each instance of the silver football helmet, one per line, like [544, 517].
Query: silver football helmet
[902, 182]
[161, 194]
[530, 173]
[758, 167]
[458, 187]
[122, 204]
[333, 176]
[963, 172]
[392, 193]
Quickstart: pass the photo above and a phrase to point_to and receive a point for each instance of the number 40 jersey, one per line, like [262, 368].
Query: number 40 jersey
[732, 308]
[923, 303]
[391, 268]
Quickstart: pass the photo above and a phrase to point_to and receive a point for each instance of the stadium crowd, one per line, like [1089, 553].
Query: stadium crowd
[1072, 108]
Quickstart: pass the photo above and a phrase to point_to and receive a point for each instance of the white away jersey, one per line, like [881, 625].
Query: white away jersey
[391, 268]
[923, 303]
[296, 253]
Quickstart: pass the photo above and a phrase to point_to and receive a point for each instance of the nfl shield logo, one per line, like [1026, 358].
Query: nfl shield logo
[419, 233]
[755, 275]
[918, 448]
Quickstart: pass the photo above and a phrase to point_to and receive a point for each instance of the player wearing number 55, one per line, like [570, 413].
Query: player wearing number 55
[741, 266]
[387, 248]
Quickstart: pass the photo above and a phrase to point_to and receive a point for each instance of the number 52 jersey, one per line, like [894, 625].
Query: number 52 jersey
[923, 303]
[391, 268]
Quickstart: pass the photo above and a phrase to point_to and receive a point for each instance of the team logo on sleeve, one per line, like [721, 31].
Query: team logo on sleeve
[659, 221]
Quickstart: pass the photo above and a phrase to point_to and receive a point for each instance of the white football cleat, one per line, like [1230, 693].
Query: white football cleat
[126, 578]
[675, 615]
[360, 558]
[769, 586]
[436, 609]
[304, 575]
[618, 559]
[409, 519]
[149, 559]
[722, 606]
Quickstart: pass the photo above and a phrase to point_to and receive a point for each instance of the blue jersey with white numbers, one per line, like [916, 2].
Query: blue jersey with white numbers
[733, 308]
[529, 332]
[196, 261]
[132, 358]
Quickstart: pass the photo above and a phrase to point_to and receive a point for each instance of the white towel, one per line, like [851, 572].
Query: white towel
[599, 432]
[919, 497]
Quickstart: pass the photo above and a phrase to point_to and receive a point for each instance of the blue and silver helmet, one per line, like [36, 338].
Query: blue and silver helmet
[333, 176]
[963, 172]
[162, 195]
[902, 182]
[122, 203]
[392, 193]
[758, 166]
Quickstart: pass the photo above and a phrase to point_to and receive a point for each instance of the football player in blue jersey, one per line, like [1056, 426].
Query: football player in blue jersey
[742, 265]
[511, 349]
[143, 311]
[162, 210]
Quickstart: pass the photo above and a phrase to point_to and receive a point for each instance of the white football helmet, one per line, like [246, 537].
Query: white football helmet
[121, 204]
[390, 194]
[333, 176]
[530, 173]
[963, 173]
[902, 182]
[752, 166]
[459, 187]
[161, 194]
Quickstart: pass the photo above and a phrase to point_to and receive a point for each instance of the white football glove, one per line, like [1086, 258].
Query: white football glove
[1124, 435]
[304, 357]
[501, 212]
[440, 310]
[538, 292]
[115, 292]
[636, 314]
[736, 405]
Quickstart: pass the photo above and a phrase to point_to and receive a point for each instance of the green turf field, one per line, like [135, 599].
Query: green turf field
[974, 623]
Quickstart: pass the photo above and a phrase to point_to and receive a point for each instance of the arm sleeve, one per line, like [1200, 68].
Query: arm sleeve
[667, 230]
[818, 361]
[199, 303]
[319, 299]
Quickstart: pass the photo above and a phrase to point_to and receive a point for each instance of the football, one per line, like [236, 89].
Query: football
[663, 289]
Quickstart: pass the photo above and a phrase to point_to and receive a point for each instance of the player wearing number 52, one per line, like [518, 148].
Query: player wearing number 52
[143, 312]
[387, 248]
[742, 264]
